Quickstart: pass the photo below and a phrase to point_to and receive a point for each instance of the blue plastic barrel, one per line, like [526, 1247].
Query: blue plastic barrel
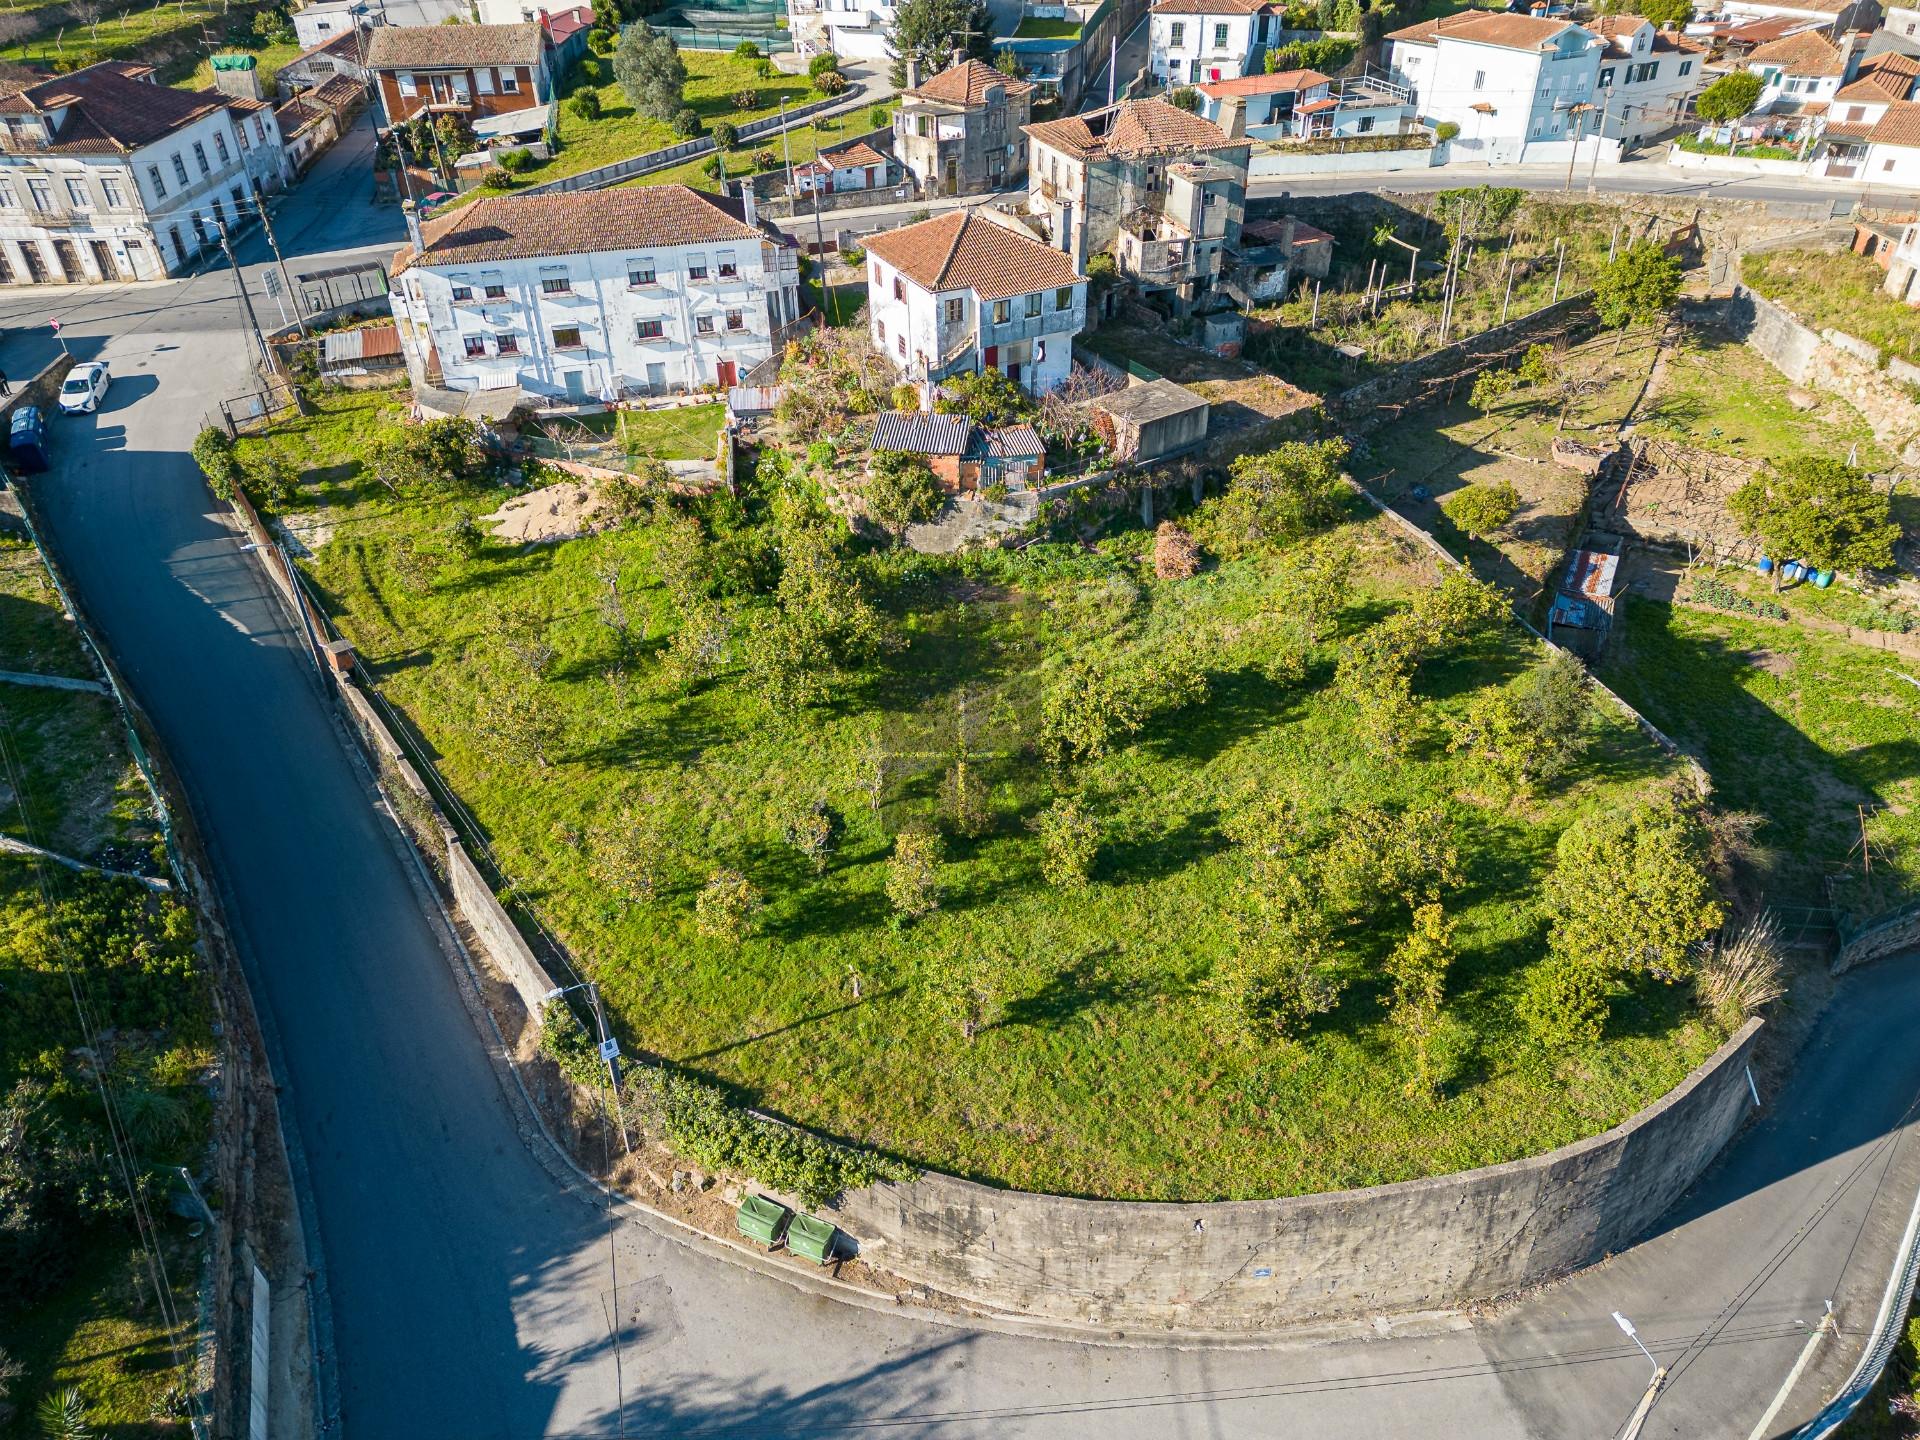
[1793, 571]
[1822, 579]
[1765, 567]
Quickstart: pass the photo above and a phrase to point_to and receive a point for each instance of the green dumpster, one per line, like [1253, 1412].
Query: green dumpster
[761, 1219]
[812, 1237]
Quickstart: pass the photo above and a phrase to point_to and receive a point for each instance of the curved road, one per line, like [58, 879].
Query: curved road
[471, 1294]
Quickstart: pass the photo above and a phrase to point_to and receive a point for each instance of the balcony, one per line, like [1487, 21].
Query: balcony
[1033, 327]
[55, 217]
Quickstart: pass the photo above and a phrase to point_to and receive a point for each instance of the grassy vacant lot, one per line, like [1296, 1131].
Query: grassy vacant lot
[1099, 1073]
[85, 1317]
[268, 57]
[140, 30]
[1723, 396]
[688, 432]
[1839, 291]
[802, 144]
[1794, 725]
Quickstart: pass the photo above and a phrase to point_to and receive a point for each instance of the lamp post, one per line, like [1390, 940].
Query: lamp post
[609, 1049]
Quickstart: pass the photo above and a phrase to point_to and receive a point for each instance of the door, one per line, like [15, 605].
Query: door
[69, 259]
[953, 177]
[103, 260]
[36, 262]
[728, 374]
[576, 383]
[656, 379]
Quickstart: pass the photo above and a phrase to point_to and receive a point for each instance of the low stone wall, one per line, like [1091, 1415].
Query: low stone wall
[1830, 360]
[1889, 936]
[1423, 1244]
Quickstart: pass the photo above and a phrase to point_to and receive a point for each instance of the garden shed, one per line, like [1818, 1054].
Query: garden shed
[965, 456]
[1153, 420]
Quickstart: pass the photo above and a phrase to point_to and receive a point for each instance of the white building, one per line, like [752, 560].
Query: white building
[1902, 27]
[1903, 265]
[1646, 78]
[106, 176]
[1508, 81]
[851, 29]
[1195, 41]
[1893, 150]
[330, 19]
[1804, 70]
[1833, 14]
[595, 294]
[969, 291]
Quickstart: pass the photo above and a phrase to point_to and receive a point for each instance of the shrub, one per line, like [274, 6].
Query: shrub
[726, 906]
[1185, 98]
[901, 491]
[496, 177]
[564, 1040]
[1446, 130]
[713, 169]
[913, 874]
[963, 800]
[1175, 555]
[747, 50]
[725, 135]
[1564, 1004]
[1071, 839]
[766, 160]
[592, 72]
[585, 104]
[995, 493]
[213, 452]
[830, 82]
[1629, 889]
[905, 396]
[821, 64]
[515, 160]
[1743, 972]
[811, 830]
[877, 116]
[1482, 509]
[686, 123]
[748, 99]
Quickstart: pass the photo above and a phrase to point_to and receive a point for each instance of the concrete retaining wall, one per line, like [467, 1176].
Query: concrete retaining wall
[1423, 1244]
[1735, 164]
[1266, 164]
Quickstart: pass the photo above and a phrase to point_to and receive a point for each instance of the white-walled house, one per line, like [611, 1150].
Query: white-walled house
[970, 291]
[330, 19]
[1832, 14]
[1508, 81]
[1803, 70]
[1646, 78]
[107, 176]
[1195, 41]
[851, 29]
[1902, 28]
[602, 293]
[1893, 147]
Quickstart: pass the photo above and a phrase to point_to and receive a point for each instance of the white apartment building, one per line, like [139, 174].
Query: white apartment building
[1191, 42]
[1646, 78]
[594, 295]
[1833, 14]
[851, 29]
[1508, 81]
[106, 176]
[970, 291]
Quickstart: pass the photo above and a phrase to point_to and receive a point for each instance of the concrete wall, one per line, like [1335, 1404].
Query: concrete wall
[1233, 1265]
[1735, 164]
[1268, 163]
[1892, 935]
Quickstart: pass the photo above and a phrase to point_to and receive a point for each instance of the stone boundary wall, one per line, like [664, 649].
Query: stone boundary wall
[1829, 360]
[1463, 359]
[1419, 1244]
[1888, 936]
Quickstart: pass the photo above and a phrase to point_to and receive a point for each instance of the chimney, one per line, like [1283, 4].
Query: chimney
[1852, 44]
[913, 72]
[748, 212]
[1233, 117]
[959, 55]
[412, 214]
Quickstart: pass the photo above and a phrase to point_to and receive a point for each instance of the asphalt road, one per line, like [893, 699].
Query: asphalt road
[471, 1294]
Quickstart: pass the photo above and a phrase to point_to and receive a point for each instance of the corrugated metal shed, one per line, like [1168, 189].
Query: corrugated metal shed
[1014, 442]
[921, 433]
[1592, 574]
[372, 342]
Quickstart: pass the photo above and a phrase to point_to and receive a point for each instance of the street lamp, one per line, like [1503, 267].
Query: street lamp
[1634, 1335]
[609, 1048]
[1637, 1422]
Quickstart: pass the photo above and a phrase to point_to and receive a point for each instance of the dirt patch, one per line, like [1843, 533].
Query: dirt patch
[1771, 661]
[553, 513]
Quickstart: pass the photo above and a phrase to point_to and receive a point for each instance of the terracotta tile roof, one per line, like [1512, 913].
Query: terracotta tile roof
[967, 84]
[565, 24]
[398, 47]
[527, 227]
[296, 115]
[347, 45]
[1887, 76]
[338, 93]
[105, 110]
[1277, 84]
[855, 156]
[1133, 129]
[1859, 130]
[1509, 32]
[1211, 7]
[1899, 126]
[1807, 53]
[964, 251]
[1759, 32]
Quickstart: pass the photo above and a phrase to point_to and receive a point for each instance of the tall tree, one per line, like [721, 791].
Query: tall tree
[1729, 98]
[650, 71]
[1637, 285]
[929, 31]
[1819, 510]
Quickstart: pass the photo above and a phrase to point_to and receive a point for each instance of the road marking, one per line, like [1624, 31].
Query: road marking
[1821, 1330]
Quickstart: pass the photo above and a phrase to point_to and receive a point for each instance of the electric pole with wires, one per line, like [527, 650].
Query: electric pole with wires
[246, 300]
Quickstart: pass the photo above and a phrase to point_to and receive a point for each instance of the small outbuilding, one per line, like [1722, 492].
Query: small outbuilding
[965, 457]
[1152, 420]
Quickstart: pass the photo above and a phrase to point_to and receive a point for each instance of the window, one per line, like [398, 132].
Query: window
[260, 129]
[648, 330]
[200, 158]
[42, 192]
[507, 344]
[1686, 67]
[640, 272]
[555, 285]
[1606, 77]
[1366, 124]
[462, 294]
[1033, 306]
[736, 319]
[483, 80]
[159, 185]
[881, 327]
[567, 337]
[901, 346]
[239, 200]
[1886, 165]
[1479, 79]
[876, 274]
[956, 311]
[1220, 37]
[77, 193]
[220, 148]
[1178, 36]
[7, 195]
[1063, 298]
[697, 267]
[476, 347]
[1856, 112]
[920, 126]
[727, 265]
[179, 168]
[219, 215]
[1002, 312]
[241, 131]
[1208, 199]
[899, 290]
[404, 80]
[703, 324]
[494, 291]
[509, 82]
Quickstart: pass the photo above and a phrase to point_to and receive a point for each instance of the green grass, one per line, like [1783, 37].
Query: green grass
[1836, 291]
[269, 59]
[1794, 725]
[1724, 397]
[802, 144]
[1100, 1075]
[1032, 29]
[689, 432]
[155, 31]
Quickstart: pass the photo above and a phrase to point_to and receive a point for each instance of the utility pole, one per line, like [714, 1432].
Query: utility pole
[266, 225]
[1579, 126]
[1560, 246]
[786, 146]
[1507, 300]
[819, 239]
[1113, 64]
[1606, 109]
[246, 301]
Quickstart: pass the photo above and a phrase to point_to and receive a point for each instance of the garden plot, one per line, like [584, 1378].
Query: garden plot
[1242, 395]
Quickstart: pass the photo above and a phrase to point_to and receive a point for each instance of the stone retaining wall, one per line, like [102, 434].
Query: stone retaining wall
[1890, 936]
[1422, 1244]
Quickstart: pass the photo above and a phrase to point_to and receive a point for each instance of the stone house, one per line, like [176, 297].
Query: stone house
[1151, 420]
[965, 457]
[498, 78]
[960, 132]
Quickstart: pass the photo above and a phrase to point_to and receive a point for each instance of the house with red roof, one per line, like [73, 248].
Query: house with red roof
[1190, 42]
[1509, 82]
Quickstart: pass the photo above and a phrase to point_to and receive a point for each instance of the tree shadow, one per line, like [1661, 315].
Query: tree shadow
[1081, 984]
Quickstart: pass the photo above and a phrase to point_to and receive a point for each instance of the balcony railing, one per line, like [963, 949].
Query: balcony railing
[1032, 327]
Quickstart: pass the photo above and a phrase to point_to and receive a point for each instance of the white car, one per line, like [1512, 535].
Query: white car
[85, 388]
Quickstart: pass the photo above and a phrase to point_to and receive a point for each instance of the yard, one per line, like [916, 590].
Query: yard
[1096, 1071]
[76, 1309]
[682, 432]
[269, 58]
[57, 36]
[1840, 291]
